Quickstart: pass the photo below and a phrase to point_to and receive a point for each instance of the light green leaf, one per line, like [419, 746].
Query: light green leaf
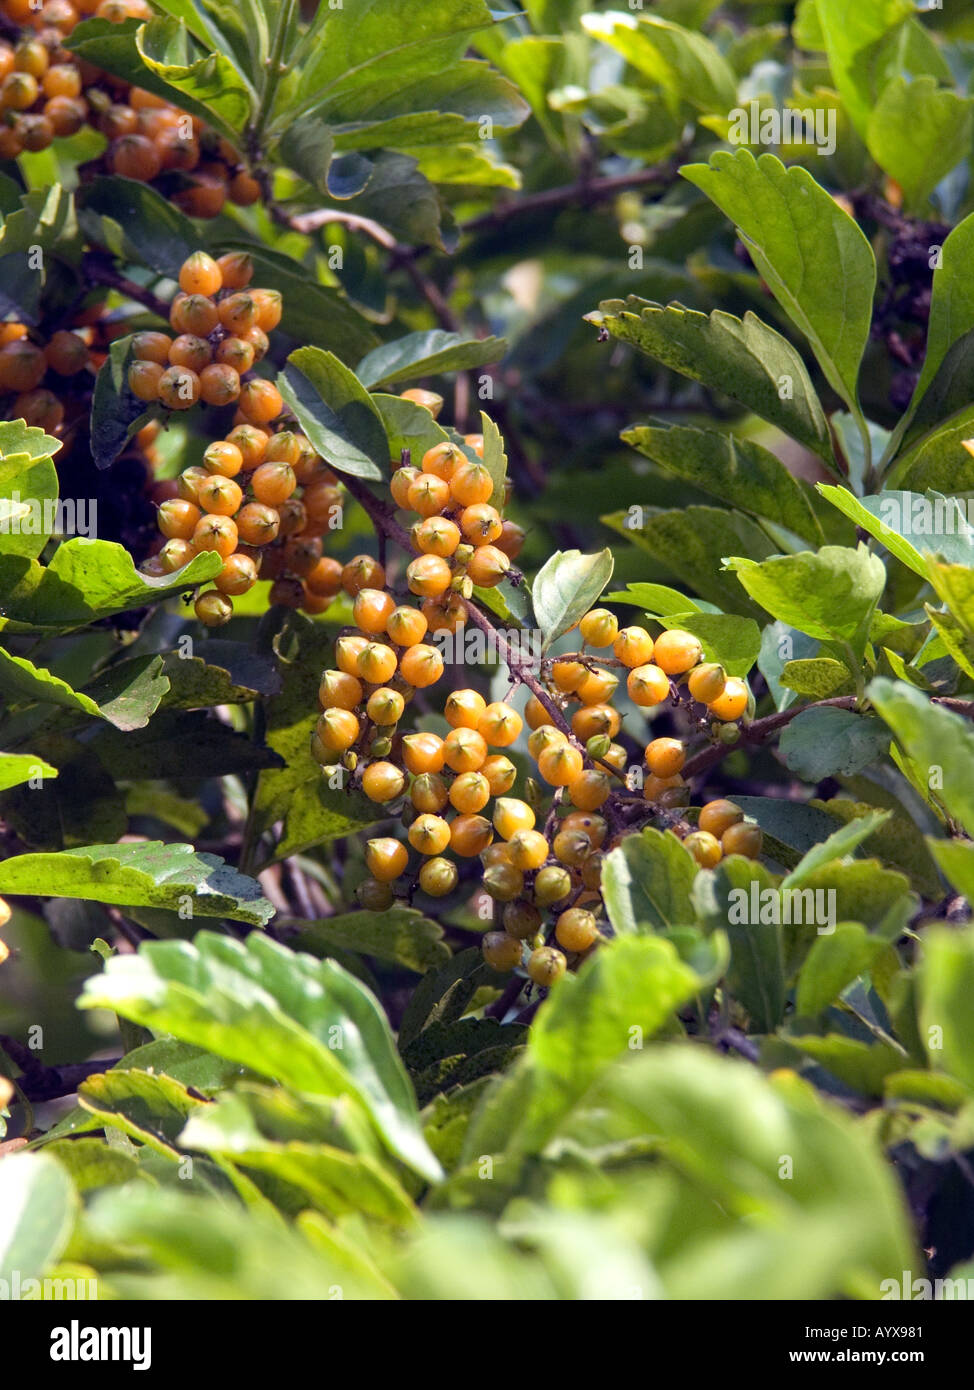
[742, 358]
[128, 694]
[400, 934]
[830, 594]
[946, 987]
[308, 1023]
[566, 587]
[28, 490]
[852, 39]
[833, 962]
[646, 883]
[813, 256]
[143, 874]
[426, 354]
[16, 768]
[917, 133]
[688, 67]
[933, 739]
[37, 1210]
[732, 641]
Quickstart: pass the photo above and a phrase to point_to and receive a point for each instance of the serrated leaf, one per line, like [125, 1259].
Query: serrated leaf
[566, 587]
[917, 133]
[17, 768]
[147, 873]
[839, 845]
[408, 426]
[829, 594]
[813, 256]
[742, 358]
[400, 934]
[739, 472]
[851, 39]
[150, 1109]
[277, 1013]
[128, 694]
[17, 437]
[443, 994]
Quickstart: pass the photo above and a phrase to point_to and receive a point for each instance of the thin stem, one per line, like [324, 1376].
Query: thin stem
[275, 69]
[99, 271]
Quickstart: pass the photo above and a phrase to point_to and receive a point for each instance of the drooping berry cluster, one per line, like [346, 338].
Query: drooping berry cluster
[544, 876]
[260, 499]
[47, 92]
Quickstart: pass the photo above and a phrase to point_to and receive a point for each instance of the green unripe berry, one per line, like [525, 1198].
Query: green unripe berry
[503, 882]
[546, 966]
[551, 885]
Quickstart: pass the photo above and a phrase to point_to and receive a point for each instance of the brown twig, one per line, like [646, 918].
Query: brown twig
[100, 271]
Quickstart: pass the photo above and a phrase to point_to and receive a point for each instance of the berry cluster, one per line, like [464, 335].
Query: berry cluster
[47, 92]
[25, 364]
[544, 879]
[259, 524]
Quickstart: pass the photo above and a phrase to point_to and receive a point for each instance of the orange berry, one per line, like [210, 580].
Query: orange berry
[199, 273]
[480, 524]
[219, 384]
[704, 847]
[528, 849]
[406, 626]
[177, 519]
[463, 708]
[382, 782]
[428, 495]
[362, 572]
[190, 351]
[731, 702]
[443, 460]
[377, 663]
[218, 533]
[213, 609]
[251, 442]
[470, 835]
[676, 651]
[500, 772]
[179, 388]
[386, 859]
[647, 686]
[371, 610]
[500, 725]
[66, 353]
[269, 309]
[470, 792]
[501, 951]
[337, 729]
[718, 816]
[239, 574]
[421, 665]
[339, 689]
[428, 792]
[193, 313]
[597, 688]
[237, 269]
[400, 483]
[665, 756]
[429, 834]
[260, 401]
[487, 566]
[325, 579]
[465, 750]
[223, 457]
[220, 495]
[143, 380]
[22, 365]
[592, 720]
[385, 706]
[428, 399]
[576, 929]
[568, 676]
[347, 652]
[423, 752]
[470, 484]
[512, 815]
[633, 646]
[560, 764]
[273, 483]
[429, 576]
[436, 535]
[743, 838]
[590, 789]
[258, 523]
[706, 682]
[599, 628]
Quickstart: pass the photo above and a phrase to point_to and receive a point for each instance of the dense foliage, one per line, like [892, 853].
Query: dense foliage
[486, 648]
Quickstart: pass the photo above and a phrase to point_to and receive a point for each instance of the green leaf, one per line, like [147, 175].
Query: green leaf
[494, 460]
[566, 587]
[426, 354]
[838, 845]
[127, 694]
[116, 414]
[737, 471]
[725, 1126]
[92, 1163]
[16, 768]
[210, 85]
[626, 992]
[860, 1065]
[408, 426]
[830, 594]
[833, 962]
[144, 874]
[853, 41]
[326, 1178]
[647, 882]
[820, 677]
[822, 743]
[137, 223]
[955, 858]
[742, 358]
[692, 542]
[946, 983]
[917, 133]
[813, 256]
[150, 1109]
[688, 67]
[38, 1204]
[336, 413]
[400, 934]
[938, 744]
[658, 599]
[16, 437]
[307, 1023]
[756, 977]
[443, 994]
[298, 793]
[28, 492]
